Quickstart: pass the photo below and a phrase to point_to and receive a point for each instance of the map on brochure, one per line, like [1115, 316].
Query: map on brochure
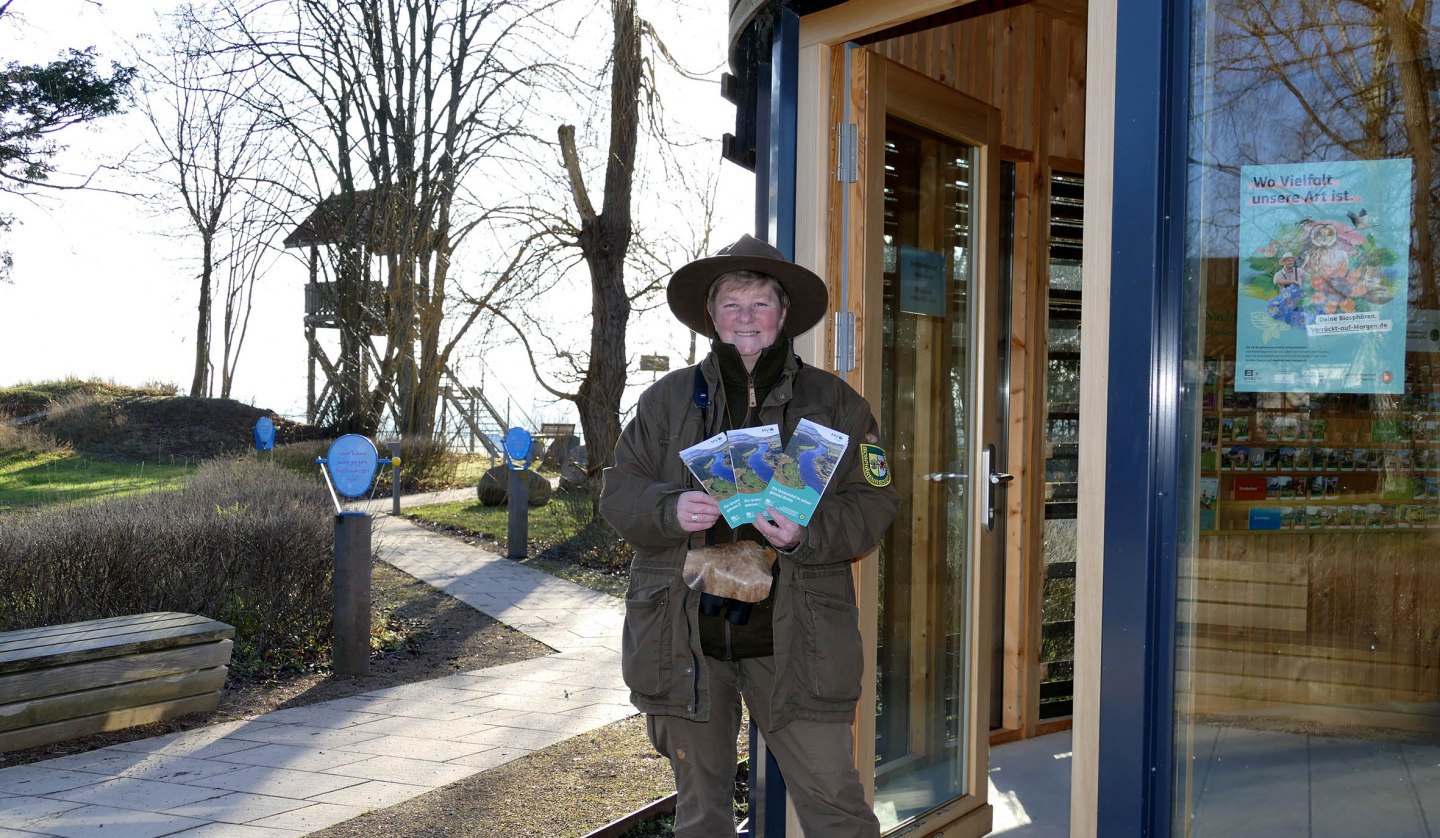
[754, 453]
[710, 462]
[804, 470]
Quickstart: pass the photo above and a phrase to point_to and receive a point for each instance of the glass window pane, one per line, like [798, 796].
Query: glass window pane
[1308, 630]
[922, 672]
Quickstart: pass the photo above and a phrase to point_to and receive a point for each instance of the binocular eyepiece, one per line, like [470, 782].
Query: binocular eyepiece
[737, 613]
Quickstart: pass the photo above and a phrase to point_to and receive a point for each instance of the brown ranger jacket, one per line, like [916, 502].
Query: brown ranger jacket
[818, 654]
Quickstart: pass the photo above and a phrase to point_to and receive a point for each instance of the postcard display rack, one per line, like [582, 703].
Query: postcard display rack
[1304, 462]
[1317, 586]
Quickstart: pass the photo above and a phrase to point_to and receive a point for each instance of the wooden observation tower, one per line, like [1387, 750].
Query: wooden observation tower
[343, 294]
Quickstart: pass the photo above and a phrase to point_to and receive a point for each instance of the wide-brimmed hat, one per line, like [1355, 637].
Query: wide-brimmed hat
[690, 285]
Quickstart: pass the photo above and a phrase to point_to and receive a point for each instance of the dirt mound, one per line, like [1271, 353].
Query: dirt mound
[154, 428]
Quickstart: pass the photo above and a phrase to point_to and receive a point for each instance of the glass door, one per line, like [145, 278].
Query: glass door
[927, 214]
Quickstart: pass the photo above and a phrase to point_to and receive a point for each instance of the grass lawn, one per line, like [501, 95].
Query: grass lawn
[554, 522]
[32, 478]
[557, 534]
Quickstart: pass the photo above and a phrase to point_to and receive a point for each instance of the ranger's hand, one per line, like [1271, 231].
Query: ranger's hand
[783, 533]
[696, 511]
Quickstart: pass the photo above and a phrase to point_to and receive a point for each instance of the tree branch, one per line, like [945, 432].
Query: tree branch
[577, 180]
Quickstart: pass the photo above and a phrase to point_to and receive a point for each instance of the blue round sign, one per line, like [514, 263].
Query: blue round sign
[352, 461]
[264, 433]
[517, 444]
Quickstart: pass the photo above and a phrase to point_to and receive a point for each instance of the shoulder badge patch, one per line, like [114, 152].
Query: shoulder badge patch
[874, 464]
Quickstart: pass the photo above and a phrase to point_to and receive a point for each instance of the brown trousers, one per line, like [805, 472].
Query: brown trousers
[816, 759]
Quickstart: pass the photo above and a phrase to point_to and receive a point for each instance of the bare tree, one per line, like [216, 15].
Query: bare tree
[624, 266]
[604, 241]
[399, 109]
[212, 151]
[1339, 79]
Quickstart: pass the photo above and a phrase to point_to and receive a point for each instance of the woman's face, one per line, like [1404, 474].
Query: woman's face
[748, 316]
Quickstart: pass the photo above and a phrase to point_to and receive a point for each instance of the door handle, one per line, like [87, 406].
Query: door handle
[940, 476]
[994, 480]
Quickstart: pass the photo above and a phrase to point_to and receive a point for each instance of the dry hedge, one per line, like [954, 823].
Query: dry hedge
[244, 542]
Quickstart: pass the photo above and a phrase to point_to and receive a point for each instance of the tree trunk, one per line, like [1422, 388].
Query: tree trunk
[1406, 37]
[604, 241]
[198, 388]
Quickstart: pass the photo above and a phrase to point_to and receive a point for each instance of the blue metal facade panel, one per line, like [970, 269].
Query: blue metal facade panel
[1143, 422]
[775, 118]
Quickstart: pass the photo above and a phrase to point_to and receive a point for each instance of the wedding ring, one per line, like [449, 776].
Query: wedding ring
[694, 517]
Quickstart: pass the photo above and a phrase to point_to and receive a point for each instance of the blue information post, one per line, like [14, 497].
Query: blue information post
[519, 446]
[349, 467]
[265, 434]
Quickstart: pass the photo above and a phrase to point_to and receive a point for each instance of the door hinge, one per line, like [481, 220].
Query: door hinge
[847, 152]
[844, 341]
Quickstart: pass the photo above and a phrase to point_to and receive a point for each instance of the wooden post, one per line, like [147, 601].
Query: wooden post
[350, 648]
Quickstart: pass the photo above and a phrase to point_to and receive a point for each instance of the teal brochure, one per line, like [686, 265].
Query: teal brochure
[709, 461]
[804, 470]
[754, 453]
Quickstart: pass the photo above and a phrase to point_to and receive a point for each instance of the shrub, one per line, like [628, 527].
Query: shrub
[26, 438]
[298, 457]
[425, 464]
[243, 542]
[594, 544]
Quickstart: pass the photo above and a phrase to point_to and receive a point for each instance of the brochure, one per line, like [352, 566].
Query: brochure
[754, 453]
[804, 470]
[710, 462]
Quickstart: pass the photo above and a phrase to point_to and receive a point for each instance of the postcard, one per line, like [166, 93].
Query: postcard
[804, 470]
[1209, 492]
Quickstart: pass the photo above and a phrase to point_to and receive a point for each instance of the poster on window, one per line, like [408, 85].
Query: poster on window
[1324, 271]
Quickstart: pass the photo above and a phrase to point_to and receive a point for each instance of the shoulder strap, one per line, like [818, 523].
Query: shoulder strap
[701, 394]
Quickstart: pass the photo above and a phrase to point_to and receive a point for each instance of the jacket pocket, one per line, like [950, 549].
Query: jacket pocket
[645, 646]
[832, 647]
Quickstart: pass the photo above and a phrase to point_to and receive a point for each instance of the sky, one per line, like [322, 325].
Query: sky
[103, 287]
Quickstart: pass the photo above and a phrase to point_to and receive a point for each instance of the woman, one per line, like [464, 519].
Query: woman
[797, 658]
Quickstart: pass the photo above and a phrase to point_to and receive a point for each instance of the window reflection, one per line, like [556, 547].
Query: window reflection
[1308, 629]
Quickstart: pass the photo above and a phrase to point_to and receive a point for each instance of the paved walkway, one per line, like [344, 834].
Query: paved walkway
[295, 771]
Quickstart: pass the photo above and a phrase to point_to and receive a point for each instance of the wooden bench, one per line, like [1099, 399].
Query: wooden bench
[61, 682]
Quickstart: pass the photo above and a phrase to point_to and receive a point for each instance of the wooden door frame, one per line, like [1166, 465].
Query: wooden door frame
[819, 34]
[820, 200]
